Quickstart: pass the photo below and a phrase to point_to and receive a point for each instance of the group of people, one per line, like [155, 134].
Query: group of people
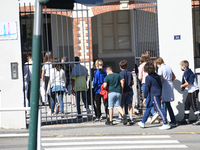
[116, 89]
[59, 77]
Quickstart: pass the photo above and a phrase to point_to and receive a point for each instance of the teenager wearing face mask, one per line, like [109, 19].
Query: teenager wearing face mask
[189, 81]
[167, 77]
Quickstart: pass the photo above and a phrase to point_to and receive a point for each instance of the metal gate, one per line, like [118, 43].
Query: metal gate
[65, 48]
[146, 29]
[145, 35]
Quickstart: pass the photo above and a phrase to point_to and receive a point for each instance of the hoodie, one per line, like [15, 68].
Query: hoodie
[99, 77]
[153, 85]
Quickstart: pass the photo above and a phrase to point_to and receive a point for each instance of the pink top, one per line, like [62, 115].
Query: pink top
[142, 74]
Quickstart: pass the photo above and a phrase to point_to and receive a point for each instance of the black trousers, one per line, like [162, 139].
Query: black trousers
[98, 105]
[46, 82]
[191, 100]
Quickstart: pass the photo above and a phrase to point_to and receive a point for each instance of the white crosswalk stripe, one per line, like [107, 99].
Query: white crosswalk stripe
[111, 142]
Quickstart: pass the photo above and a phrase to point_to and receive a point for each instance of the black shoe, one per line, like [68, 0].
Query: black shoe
[184, 121]
[124, 119]
[109, 123]
[197, 122]
[131, 122]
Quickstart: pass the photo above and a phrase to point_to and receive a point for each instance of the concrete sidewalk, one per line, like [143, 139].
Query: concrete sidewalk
[91, 129]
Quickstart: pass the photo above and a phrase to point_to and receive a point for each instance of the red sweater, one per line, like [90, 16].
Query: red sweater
[104, 92]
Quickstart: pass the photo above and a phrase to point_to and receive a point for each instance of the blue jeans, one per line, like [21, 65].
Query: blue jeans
[114, 99]
[155, 101]
[53, 101]
[167, 106]
[26, 93]
[83, 94]
[153, 112]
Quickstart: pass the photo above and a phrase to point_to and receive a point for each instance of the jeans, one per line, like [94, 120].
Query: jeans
[167, 106]
[26, 93]
[153, 112]
[83, 94]
[53, 101]
[114, 99]
[155, 101]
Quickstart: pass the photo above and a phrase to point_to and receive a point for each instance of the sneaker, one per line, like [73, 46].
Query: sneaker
[141, 124]
[184, 121]
[165, 127]
[118, 119]
[197, 122]
[101, 118]
[173, 124]
[131, 121]
[97, 120]
[154, 118]
[124, 119]
[109, 123]
[148, 120]
[73, 105]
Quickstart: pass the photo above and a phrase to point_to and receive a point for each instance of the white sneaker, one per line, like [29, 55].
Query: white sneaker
[148, 120]
[165, 127]
[154, 118]
[141, 124]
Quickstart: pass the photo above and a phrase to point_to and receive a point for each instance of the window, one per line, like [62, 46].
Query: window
[116, 31]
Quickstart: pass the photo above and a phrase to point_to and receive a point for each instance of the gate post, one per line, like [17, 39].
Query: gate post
[35, 82]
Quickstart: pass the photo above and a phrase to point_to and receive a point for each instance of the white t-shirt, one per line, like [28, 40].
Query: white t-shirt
[193, 87]
[47, 67]
[166, 72]
[57, 78]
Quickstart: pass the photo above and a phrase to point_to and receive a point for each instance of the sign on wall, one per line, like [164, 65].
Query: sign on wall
[8, 30]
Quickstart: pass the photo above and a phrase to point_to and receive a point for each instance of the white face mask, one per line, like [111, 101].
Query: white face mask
[158, 66]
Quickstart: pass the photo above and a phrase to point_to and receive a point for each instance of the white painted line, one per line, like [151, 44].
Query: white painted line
[108, 137]
[120, 147]
[14, 135]
[112, 143]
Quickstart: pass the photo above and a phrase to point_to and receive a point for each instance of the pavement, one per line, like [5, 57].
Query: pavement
[97, 135]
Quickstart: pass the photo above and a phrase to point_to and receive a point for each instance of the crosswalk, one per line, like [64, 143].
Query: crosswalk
[111, 143]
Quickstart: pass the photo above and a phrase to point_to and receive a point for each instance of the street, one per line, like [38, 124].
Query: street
[99, 136]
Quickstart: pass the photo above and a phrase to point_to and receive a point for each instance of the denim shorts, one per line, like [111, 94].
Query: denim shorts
[127, 98]
[114, 99]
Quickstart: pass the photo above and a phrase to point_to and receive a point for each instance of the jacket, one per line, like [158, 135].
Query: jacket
[142, 75]
[104, 92]
[153, 85]
[189, 76]
[99, 77]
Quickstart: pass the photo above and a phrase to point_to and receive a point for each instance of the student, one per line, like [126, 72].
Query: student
[48, 59]
[167, 77]
[153, 86]
[189, 82]
[56, 86]
[115, 90]
[68, 69]
[127, 97]
[27, 78]
[142, 75]
[79, 86]
[99, 77]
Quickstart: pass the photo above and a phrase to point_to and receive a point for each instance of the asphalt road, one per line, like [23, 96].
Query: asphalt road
[99, 136]
[173, 142]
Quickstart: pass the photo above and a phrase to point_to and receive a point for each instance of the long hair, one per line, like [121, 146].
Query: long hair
[58, 67]
[48, 57]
